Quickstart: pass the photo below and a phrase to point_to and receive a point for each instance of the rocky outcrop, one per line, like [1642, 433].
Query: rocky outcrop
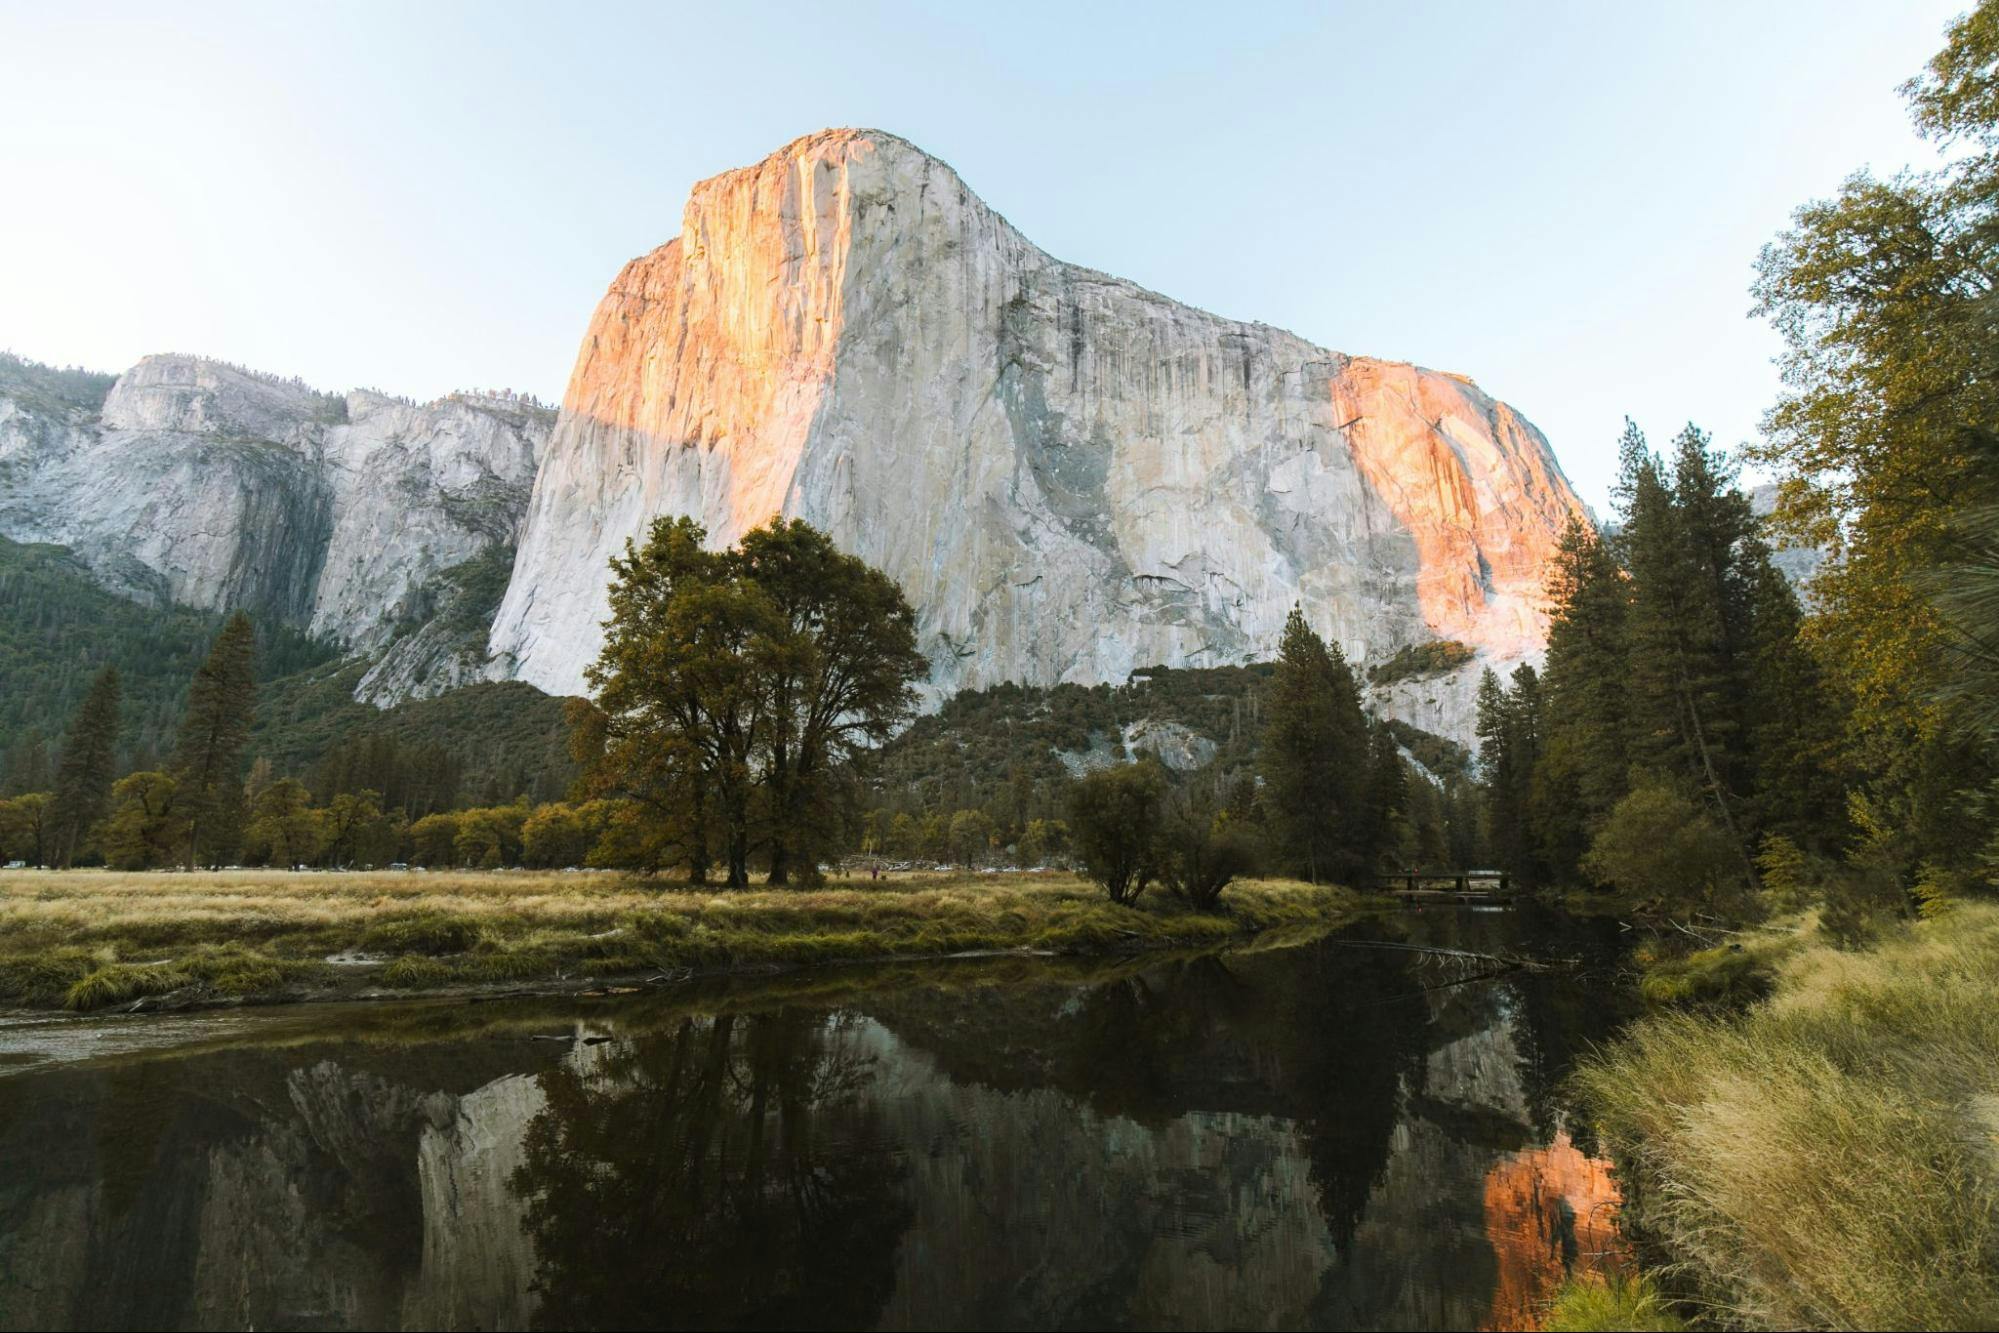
[1797, 563]
[1070, 476]
[216, 487]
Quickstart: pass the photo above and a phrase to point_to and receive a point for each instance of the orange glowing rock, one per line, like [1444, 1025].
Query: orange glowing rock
[1549, 1212]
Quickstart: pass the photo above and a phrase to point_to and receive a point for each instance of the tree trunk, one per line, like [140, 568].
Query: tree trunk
[1714, 778]
[739, 861]
[697, 840]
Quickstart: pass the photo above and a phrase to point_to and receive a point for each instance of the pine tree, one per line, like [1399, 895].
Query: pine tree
[89, 761]
[1687, 625]
[1315, 757]
[1387, 795]
[208, 760]
[1509, 733]
[1799, 723]
[27, 766]
[1585, 688]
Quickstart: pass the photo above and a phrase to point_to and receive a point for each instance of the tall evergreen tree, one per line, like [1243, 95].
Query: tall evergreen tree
[1315, 757]
[208, 759]
[1687, 624]
[1387, 795]
[1585, 686]
[1798, 722]
[28, 766]
[89, 762]
[1509, 733]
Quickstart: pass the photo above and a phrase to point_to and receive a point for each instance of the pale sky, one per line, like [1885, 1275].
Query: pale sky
[1563, 201]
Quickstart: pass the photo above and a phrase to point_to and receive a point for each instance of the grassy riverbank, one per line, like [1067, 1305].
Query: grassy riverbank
[84, 940]
[1828, 1158]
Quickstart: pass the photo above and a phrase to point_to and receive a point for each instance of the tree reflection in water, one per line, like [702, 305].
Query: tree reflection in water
[1321, 1036]
[723, 1174]
[1346, 1133]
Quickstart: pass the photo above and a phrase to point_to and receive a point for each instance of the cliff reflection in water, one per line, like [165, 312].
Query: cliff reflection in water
[1332, 1134]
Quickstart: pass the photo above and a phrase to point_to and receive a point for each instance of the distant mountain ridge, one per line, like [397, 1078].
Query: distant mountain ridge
[193, 482]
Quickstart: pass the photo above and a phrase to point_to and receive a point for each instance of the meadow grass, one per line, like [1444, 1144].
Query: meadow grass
[85, 939]
[1828, 1158]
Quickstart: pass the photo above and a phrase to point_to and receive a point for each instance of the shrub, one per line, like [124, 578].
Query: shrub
[558, 835]
[1201, 848]
[490, 837]
[121, 982]
[1657, 844]
[434, 840]
[1114, 824]
[425, 933]
[1726, 977]
[1422, 659]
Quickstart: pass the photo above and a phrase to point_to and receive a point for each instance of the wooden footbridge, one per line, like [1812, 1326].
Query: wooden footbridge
[1455, 886]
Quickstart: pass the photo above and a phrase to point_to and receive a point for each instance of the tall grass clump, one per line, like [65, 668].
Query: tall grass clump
[1594, 1303]
[1830, 1157]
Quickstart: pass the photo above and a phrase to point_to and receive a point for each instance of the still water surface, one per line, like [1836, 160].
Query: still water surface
[1335, 1133]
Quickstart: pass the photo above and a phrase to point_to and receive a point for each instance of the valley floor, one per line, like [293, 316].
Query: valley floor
[1829, 1157]
[86, 940]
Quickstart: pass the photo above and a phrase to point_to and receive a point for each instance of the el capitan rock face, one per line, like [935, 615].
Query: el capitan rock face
[1070, 476]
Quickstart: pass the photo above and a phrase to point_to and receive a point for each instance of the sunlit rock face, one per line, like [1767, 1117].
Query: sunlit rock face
[1549, 1210]
[1069, 475]
[216, 487]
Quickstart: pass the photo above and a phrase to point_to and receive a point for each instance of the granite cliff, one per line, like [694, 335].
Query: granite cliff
[1070, 476]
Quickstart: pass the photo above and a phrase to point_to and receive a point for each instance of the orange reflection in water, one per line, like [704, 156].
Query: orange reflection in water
[1548, 1211]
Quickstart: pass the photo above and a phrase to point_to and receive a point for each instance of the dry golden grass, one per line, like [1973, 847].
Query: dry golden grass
[1827, 1159]
[87, 939]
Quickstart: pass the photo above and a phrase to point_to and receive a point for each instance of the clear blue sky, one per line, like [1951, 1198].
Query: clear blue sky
[1564, 201]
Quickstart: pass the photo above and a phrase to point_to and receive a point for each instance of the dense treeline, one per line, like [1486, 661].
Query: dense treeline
[987, 779]
[58, 628]
[373, 801]
[1696, 734]
[53, 388]
[1680, 729]
[1327, 797]
[479, 744]
[1009, 750]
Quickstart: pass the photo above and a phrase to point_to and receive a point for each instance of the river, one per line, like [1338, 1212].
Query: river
[1347, 1131]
